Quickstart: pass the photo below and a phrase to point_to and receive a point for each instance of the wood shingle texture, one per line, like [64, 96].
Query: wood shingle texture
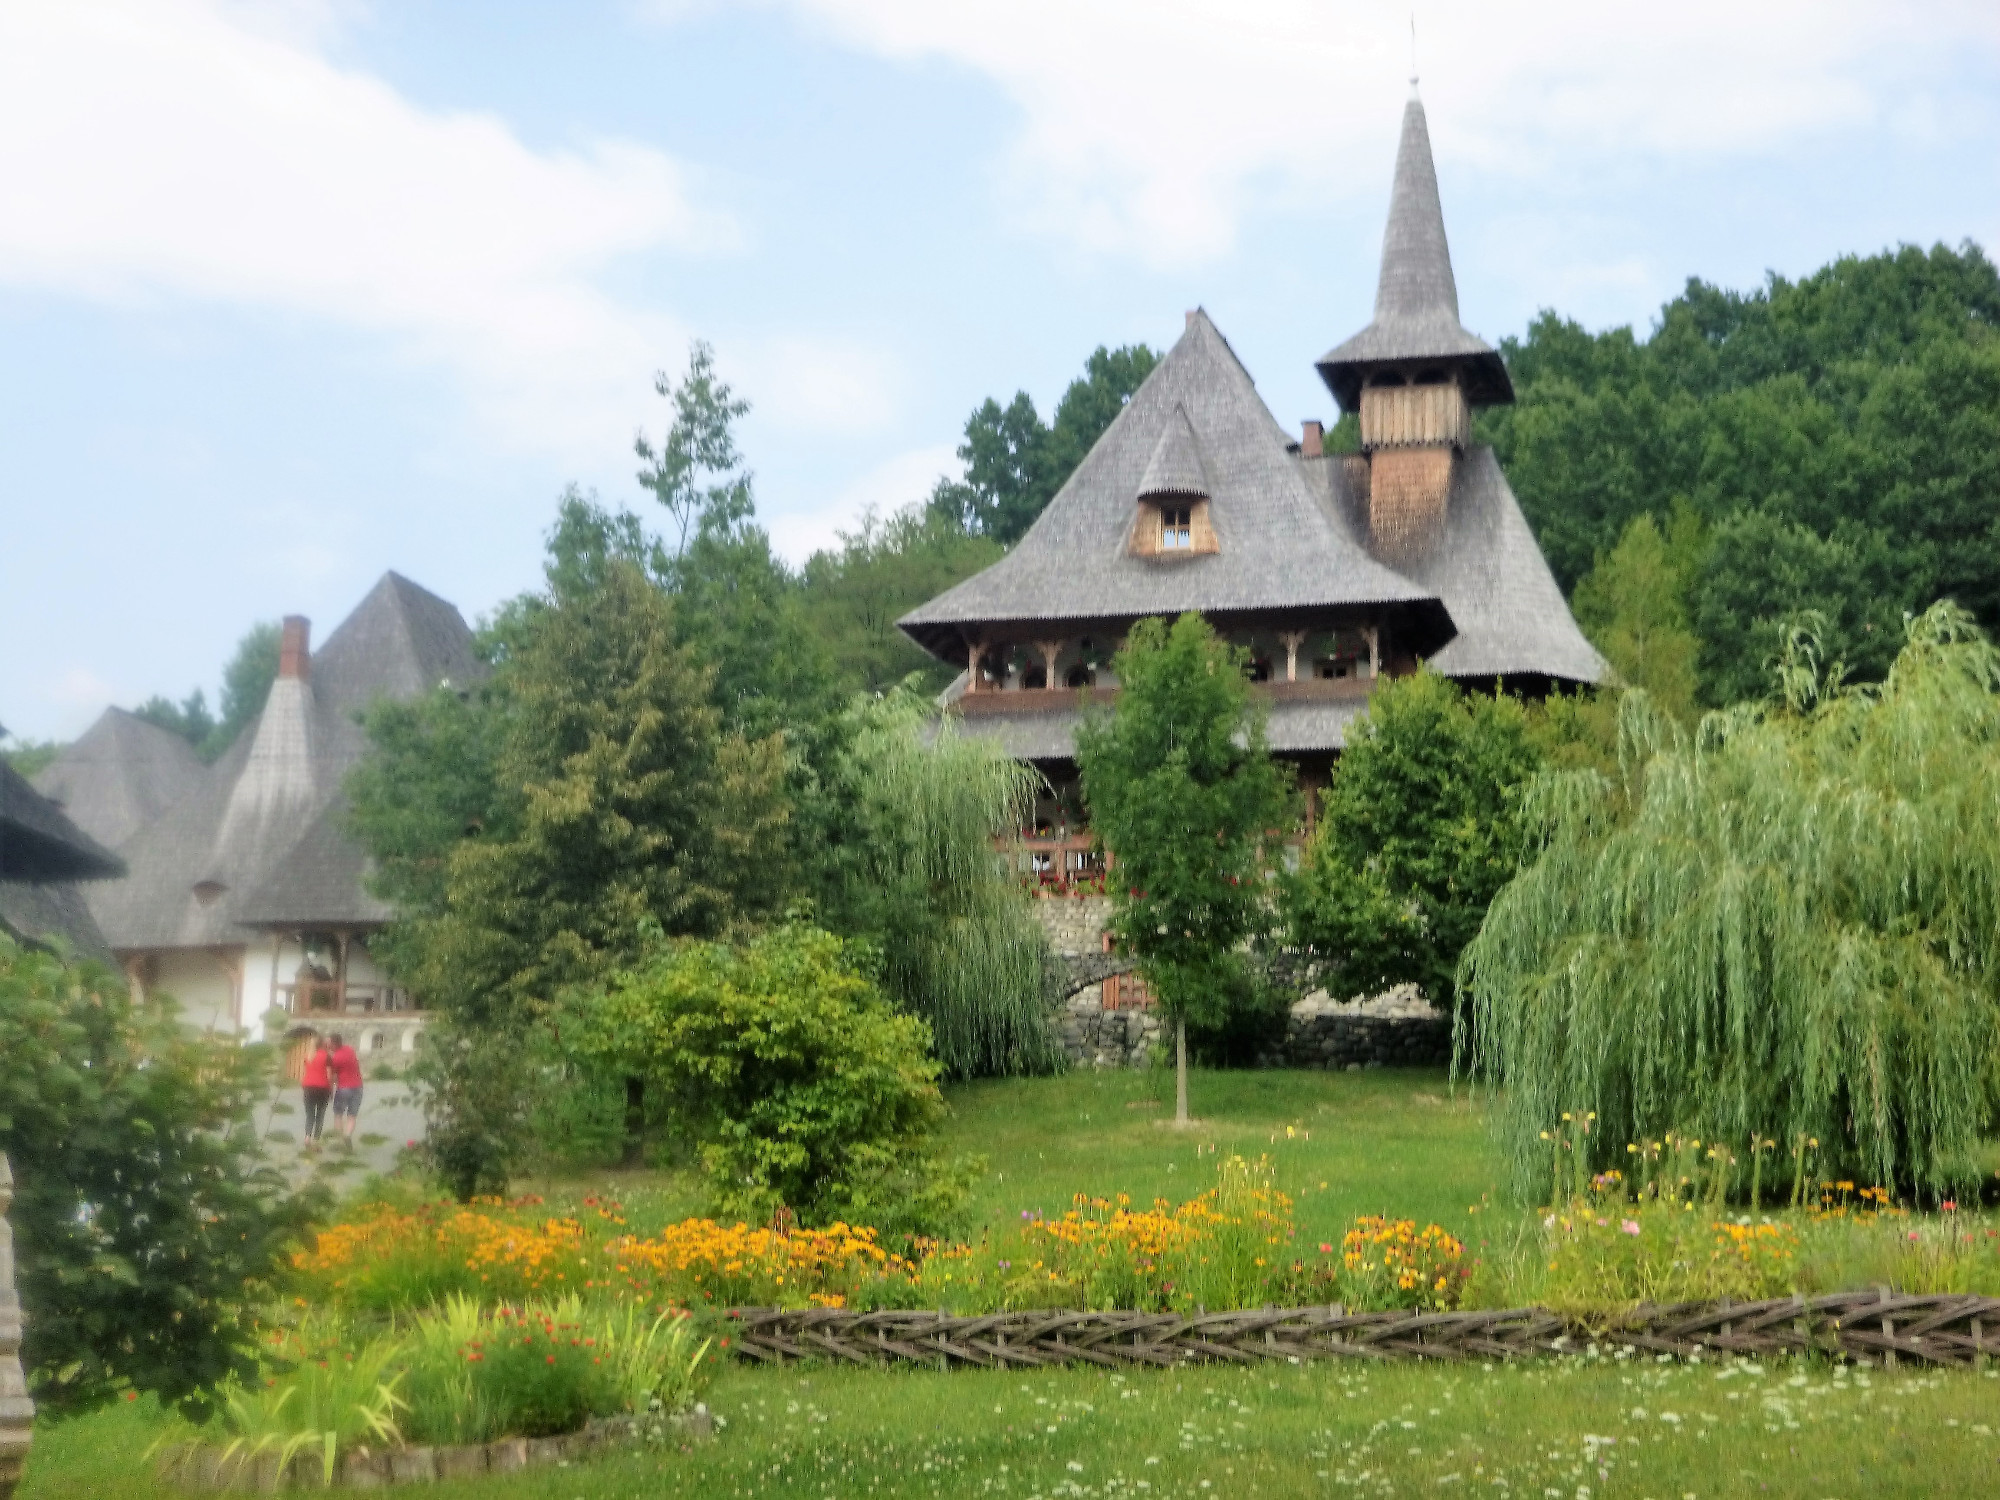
[120, 775]
[1416, 297]
[42, 856]
[1276, 546]
[262, 839]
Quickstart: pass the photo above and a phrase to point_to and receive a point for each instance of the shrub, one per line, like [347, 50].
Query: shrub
[804, 1088]
[146, 1221]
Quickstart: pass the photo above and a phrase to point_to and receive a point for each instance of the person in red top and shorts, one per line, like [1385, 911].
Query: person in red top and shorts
[318, 1087]
[346, 1088]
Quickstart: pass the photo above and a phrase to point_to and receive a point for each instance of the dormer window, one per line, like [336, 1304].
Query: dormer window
[1172, 519]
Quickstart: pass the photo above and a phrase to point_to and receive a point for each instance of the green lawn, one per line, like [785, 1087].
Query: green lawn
[1394, 1142]
[1391, 1142]
[1577, 1428]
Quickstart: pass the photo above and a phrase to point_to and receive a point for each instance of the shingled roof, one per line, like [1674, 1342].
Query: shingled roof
[120, 775]
[1511, 615]
[38, 843]
[1416, 299]
[222, 858]
[1277, 547]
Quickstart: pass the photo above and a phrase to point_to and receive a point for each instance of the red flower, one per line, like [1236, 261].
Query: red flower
[552, 1359]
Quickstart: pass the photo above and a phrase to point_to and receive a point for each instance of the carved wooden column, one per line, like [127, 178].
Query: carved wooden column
[1292, 639]
[1050, 651]
[975, 652]
[17, 1412]
[1374, 635]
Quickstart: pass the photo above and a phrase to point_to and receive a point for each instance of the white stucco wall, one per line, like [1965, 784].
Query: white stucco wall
[200, 981]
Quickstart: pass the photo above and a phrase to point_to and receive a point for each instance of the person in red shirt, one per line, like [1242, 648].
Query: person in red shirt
[318, 1087]
[346, 1088]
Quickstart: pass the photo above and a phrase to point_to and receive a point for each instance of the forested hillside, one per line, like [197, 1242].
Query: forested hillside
[1831, 444]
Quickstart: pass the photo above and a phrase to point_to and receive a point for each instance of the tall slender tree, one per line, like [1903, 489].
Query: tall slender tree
[1185, 794]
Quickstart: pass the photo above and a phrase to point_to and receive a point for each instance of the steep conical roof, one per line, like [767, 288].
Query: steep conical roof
[1175, 467]
[1277, 547]
[120, 775]
[202, 872]
[1416, 299]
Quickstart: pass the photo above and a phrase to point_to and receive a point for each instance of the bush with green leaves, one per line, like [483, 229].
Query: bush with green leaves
[1417, 832]
[146, 1224]
[1783, 928]
[805, 1089]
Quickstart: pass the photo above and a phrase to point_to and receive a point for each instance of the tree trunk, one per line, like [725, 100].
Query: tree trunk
[1180, 1072]
[635, 1122]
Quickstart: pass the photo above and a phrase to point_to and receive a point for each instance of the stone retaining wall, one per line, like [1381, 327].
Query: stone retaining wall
[1096, 1038]
[1074, 924]
[202, 1467]
[1396, 1030]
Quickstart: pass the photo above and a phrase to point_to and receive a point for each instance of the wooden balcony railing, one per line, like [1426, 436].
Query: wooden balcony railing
[1054, 700]
[337, 997]
[1058, 863]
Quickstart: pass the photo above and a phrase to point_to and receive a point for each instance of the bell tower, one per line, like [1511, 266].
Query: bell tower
[1414, 374]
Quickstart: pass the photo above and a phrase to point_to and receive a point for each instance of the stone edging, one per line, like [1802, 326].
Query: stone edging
[201, 1467]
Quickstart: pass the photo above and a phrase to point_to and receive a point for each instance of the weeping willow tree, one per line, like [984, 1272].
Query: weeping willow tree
[958, 943]
[1784, 928]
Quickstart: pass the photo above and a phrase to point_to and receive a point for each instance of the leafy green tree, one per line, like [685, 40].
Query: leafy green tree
[910, 870]
[1186, 796]
[1633, 606]
[1417, 832]
[852, 596]
[1781, 930]
[1856, 412]
[246, 683]
[1764, 575]
[148, 1229]
[1014, 463]
[190, 718]
[527, 850]
[30, 757]
[696, 472]
[803, 1086]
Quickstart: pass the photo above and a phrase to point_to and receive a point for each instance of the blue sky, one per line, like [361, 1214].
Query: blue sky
[296, 291]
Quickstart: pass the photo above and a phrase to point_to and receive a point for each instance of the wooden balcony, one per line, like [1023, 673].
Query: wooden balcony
[1061, 700]
[1057, 863]
[340, 997]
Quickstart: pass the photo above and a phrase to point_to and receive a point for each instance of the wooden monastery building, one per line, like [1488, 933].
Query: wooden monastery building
[245, 891]
[1333, 570]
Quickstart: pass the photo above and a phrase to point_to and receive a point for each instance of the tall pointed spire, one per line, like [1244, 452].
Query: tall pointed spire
[1416, 299]
[1416, 261]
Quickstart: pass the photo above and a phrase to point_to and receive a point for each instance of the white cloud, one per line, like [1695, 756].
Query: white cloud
[1147, 126]
[208, 150]
[817, 385]
[889, 486]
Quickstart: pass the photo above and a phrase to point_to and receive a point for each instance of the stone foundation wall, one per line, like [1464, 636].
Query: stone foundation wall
[1396, 1030]
[1096, 1038]
[1074, 924]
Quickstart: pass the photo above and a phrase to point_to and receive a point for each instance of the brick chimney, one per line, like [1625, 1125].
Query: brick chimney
[294, 652]
[1313, 444]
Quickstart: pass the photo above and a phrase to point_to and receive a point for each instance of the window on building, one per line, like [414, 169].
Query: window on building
[1176, 528]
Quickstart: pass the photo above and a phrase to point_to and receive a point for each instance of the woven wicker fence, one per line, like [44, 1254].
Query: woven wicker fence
[1875, 1327]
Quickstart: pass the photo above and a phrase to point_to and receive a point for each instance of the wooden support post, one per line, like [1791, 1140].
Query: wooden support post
[1050, 651]
[1293, 639]
[1374, 634]
[975, 653]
